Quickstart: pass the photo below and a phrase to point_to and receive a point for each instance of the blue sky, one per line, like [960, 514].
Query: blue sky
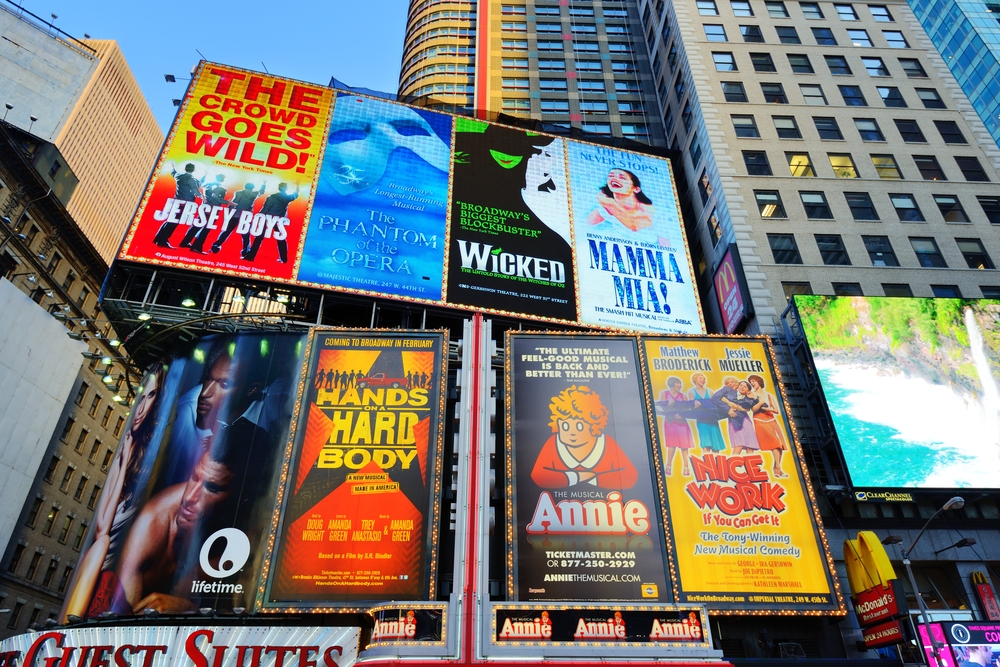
[360, 43]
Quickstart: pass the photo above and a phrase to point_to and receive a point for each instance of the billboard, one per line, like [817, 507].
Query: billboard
[190, 493]
[301, 184]
[241, 158]
[360, 511]
[583, 503]
[731, 292]
[745, 534]
[874, 355]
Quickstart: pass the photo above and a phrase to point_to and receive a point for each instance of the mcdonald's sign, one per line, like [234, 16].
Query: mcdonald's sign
[987, 596]
[731, 292]
[877, 600]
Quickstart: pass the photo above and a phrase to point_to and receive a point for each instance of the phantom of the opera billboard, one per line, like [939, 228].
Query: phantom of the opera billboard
[265, 177]
[660, 470]
[186, 518]
[875, 355]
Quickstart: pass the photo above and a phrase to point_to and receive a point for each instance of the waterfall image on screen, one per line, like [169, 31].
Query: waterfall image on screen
[912, 386]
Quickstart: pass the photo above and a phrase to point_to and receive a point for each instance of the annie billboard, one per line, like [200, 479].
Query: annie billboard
[913, 379]
[291, 182]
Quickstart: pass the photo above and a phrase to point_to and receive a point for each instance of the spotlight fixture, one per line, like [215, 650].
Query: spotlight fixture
[114, 342]
[42, 256]
[282, 298]
[170, 78]
[188, 302]
[117, 398]
[150, 613]
[107, 379]
[31, 278]
[144, 317]
[205, 611]
[238, 298]
[107, 361]
[74, 335]
[891, 539]
[62, 317]
[73, 619]
[90, 355]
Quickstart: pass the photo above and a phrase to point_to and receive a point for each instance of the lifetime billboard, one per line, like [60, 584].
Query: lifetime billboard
[194, 489]
[658, 469]
[304, 184]
[874, 355]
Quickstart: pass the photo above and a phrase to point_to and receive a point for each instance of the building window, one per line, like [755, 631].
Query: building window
[912, 68]
[974, 254]
[791, 289]
[745, 127]
[67, 429]
[513, 26]
[859, 38]
[946, 291]
[752, 33]
[707, 8]
[910, 131]
[853, 97]
[515, 63]
[741, 8]
[783, 249]
[847, 289]
[96, 403]
[515, 84]
[991, 207]
[869, 129]
[36, 559]
[512, 9]
[828, 128]
[556, 65]
[880, 13]
[591, 108]
[555, 106]
[15, 616]
[36, 507]
[715, 33]
[733, 91]
[50, 572]
[929, 168]
[631, 108]
[516, 106]
[94, 451]
[799, 165]
[951, 209]
[971, 168]
[64, 580]
[816, 206]
[50, 520]
[824, 36]
[630, 87]
[715, 227]
[108, 454]
[786, 127]
[897, 289]
[990, 292]
[800, 63]
[832, 250]
[813, 94]
[880, 251]
[838, 65]
[776, 10]
[15, 558]
[81, 440]
[548, 45]
[762, 62]
[875, 67]
[906, 207]
[930, 98]
[891, 97]
[96, 491]
[107, 416]
[787, 35]
[773, 93]
[724, 62]
[51, 470]
[846, 12]
[81, 485]
[895, 39]
[949, 132]
[67, 525]
[67, 479]
[886, 167]
[756, 163]
[811, 10]
[843, 165]
[81, 393]
[583, 85]
[81, 532]
[578, 28]
[861, 206]
[769, 204]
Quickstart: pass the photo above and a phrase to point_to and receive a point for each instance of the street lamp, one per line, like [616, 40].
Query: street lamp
[955, 503]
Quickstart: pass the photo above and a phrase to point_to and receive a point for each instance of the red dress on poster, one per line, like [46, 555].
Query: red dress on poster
[556, 468]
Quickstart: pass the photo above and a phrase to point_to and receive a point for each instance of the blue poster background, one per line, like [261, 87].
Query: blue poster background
[378, 222]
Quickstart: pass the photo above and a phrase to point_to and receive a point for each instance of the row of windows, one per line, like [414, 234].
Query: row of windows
[445, 50]
[587, 107]
[814, 95]
[885, 165]
[582, 85]
[890, 289]
[788, 35]
[434, 70]
[831, 248]
[33, 567]
[434, 33]
[456, 15]
[584, 47]
[810, 10]
[559, 65]
[725, 61]
[771, 206]
[786, 127]
[540, 10]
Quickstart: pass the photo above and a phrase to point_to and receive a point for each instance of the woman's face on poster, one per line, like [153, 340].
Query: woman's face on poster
[743, 388]
[145, 402]
[698, 379]
[620, 183]
[540, 167]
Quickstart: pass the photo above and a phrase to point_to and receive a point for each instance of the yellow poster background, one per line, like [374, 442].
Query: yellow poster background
[743, 529]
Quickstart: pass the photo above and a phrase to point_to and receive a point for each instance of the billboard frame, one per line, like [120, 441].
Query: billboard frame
[432, 539]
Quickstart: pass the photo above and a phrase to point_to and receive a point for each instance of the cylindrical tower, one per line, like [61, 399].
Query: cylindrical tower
[438, 68]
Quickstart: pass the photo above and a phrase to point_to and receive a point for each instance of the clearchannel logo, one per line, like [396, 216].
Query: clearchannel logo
[235, 554]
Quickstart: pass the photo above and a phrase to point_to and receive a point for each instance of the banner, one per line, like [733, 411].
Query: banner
[183, 517]
[379, 220]
[584, 625]
[360, 514]
[583, 506]
[986, 595]
[634, 268]
[149, 645]
[510, 237]
[730, 292]
[241, 157]
[405, 625]
[744, 532]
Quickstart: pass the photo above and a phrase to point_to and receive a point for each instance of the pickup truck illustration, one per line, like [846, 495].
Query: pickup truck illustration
[376, 380]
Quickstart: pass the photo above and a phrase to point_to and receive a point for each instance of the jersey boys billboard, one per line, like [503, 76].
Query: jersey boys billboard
[745, 534]
[297, 183]
[359, 517]
[605, 490]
